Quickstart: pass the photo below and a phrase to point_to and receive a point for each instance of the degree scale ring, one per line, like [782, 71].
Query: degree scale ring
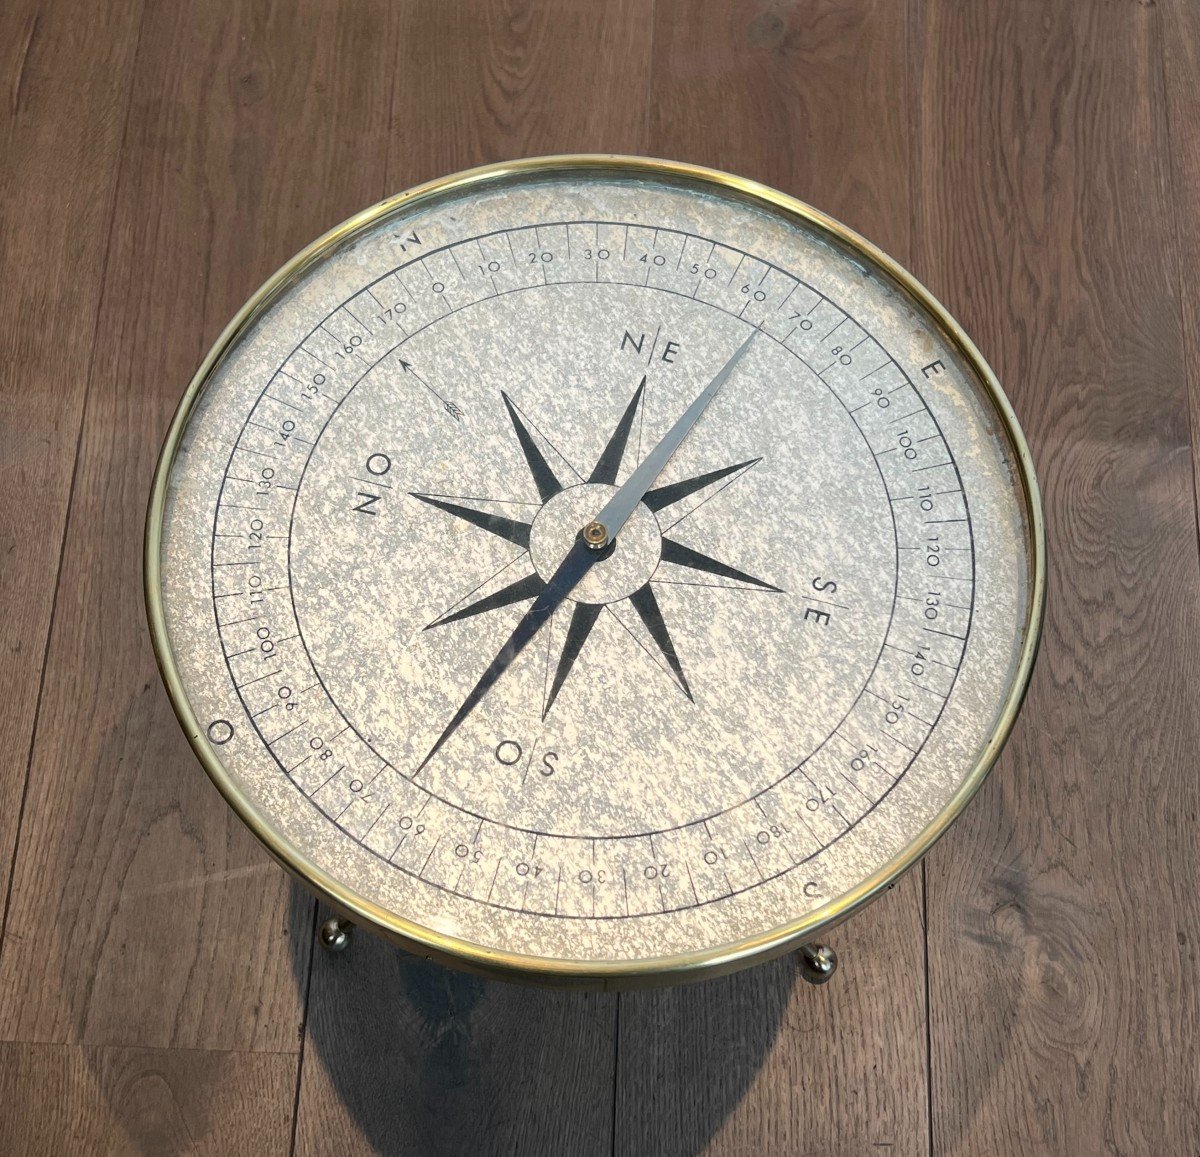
[770, 695]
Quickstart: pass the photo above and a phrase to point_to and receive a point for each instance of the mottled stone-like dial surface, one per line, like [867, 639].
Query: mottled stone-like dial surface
[780, 673]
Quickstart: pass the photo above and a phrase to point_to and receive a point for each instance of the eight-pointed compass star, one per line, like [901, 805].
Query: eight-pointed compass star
[567, 505]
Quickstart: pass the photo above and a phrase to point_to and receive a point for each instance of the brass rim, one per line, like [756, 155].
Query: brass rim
[513, 966]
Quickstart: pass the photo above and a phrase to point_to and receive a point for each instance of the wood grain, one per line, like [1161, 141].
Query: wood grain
[401, 1057]
[479, 81]
[808, 97]
[405, 1057]
[92, 1099]
[1181, 75]
[761, 1062]
[153, 917]
[52, 247]
[1062, 908]
[1037, 164]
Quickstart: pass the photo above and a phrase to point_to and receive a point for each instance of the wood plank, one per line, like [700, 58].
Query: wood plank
[451, 1063]
[56, 194]
[1062, 907]
[1062, 910]
[1181, 50]
[96, 1099]
[403, 1056]
[478, 82]
[761, 1062]
[153, 917]
[764, 91]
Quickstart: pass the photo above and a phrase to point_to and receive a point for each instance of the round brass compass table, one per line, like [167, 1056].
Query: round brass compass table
[595, 570]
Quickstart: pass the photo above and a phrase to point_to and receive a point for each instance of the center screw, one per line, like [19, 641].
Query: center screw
[595, 535]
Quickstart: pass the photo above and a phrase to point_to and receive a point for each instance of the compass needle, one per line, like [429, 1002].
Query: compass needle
[595, 570]
[618, 508]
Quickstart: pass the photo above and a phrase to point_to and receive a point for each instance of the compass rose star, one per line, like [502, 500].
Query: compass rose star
[556, 506]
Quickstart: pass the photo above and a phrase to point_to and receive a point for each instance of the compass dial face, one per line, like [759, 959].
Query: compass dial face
[790, 665]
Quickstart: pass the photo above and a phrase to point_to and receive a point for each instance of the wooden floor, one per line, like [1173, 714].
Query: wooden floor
[1034, 988]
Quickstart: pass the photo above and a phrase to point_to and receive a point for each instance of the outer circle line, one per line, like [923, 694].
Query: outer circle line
[600, 973]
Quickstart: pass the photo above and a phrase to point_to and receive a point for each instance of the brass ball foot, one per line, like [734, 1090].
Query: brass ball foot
[818, 963]
[335, 934]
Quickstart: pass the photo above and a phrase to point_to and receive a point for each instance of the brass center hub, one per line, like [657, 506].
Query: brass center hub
[627, 562]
